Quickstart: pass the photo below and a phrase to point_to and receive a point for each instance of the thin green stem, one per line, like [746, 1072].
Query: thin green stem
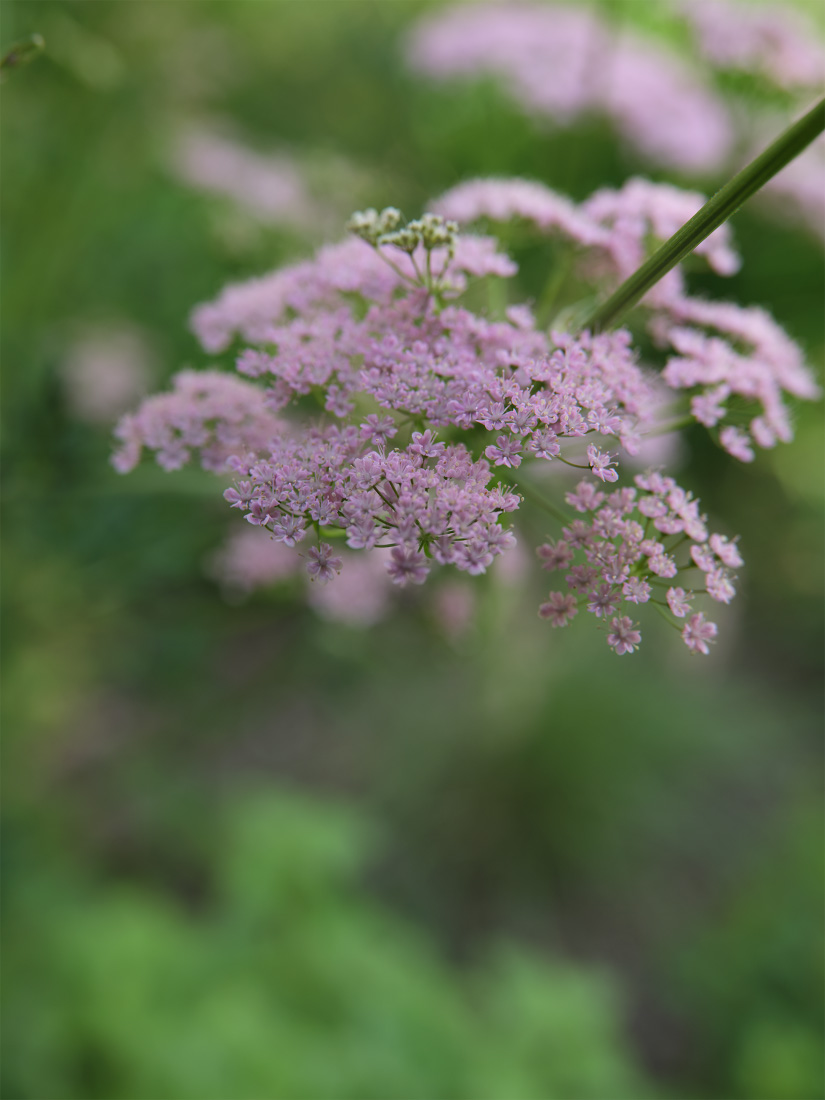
[671, 426]
[547, 300]
[539, 499]
[22, 53]
[665, 615]
[717, 210]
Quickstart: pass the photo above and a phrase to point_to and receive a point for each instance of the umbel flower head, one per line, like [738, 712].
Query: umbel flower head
[373, 409]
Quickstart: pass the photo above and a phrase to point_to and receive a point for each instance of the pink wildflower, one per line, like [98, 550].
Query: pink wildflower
[559, 609]
[554, 556]
[407, 566]
[719, 586]
[603, 600]
[736, 443]
[624, 636]
[726, 550]
[697, 633]
[703, 557]
[323, 565]
[505, 452]
[600, 463]
[362, 334]
[635, 590]
[678, 601]
[105, 371]
[585, 498]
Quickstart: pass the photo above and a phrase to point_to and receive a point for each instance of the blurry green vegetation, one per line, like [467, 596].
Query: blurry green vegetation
[290, 983]
[648, 830]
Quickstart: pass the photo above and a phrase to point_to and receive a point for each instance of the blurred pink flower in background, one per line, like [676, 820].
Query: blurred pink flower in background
[776, 41]
[105, 370]
[250, 558]
[454, 604]
[270, 188]
[797, 194]
[360, 595]
[560, 62]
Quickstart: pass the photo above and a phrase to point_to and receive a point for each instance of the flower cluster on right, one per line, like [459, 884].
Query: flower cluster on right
[636, 544]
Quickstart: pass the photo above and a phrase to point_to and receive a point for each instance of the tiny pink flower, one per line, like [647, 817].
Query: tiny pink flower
[736, 443]
[288, 530]
[726, 550]
[762, 432]
[378, 429]
[636, 590]
[554, 556]
[581, 577]
[585, 498]
[322, 565]
[719, 586]
[241, 496]
[600, 463]
[559, 609]
[697, 633]
[662, 564]
[703, 557]
[505, 452]
[544, 444]
[707, 407]
[424, 445]
[678, 601]
[652, 507]
[407, 566]
[624, 637]
[603, 601]
[578, 534]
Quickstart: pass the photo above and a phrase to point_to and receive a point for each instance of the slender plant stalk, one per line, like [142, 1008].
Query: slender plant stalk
[22, 53]
[716, 210]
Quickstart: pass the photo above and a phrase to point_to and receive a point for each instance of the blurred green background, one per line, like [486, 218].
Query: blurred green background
[249, 853]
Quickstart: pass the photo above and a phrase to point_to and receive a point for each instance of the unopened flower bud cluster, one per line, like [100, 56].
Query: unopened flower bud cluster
[430, 231]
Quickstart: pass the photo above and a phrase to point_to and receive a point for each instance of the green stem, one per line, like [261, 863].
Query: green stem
[716, 210]
[671, 426]
[561, 272]
[537, 498]
[660, 608]
[22, 53]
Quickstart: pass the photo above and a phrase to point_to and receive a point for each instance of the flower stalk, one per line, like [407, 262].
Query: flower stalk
[714, 213]
[21, 53]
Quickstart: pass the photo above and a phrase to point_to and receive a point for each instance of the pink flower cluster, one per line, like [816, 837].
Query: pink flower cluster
[560, 62]
[726, 351]
[616, 227]
[632, 549]
[207, 411]
[723, 350]
[371, 331]
[777, 42]
[105, 370]
[379, 414]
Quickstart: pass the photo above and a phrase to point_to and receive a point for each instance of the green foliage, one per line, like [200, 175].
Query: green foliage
[756, 975]
[286, 981]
